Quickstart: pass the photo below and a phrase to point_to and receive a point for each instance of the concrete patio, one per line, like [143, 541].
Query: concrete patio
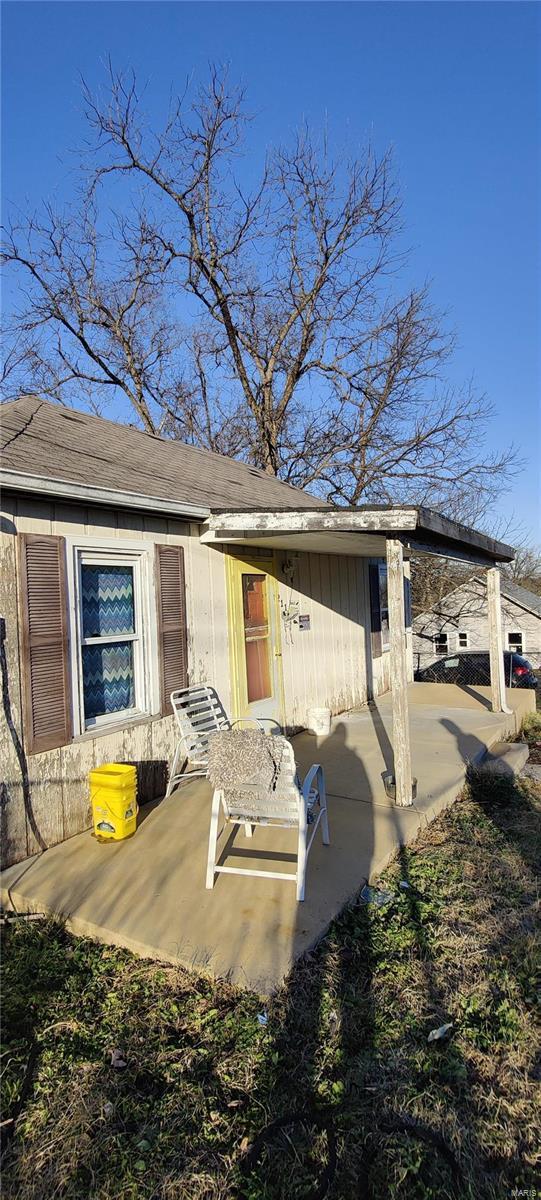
[148, 893]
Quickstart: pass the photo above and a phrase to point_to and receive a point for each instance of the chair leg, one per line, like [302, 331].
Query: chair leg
[248, 829]
[213, 838]
[301, 861]
[171, 783]
[324, 817]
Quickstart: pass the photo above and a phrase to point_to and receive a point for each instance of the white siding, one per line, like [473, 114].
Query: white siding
[325, 665]
[57, 803]
[329, 664]
[465, 610]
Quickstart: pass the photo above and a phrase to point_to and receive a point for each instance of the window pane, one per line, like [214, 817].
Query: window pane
[107, 598]
[108, 680]
[256, 637]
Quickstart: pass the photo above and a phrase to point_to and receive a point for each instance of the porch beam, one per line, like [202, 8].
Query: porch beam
[399, 672]
[335, 520]
[497, 670]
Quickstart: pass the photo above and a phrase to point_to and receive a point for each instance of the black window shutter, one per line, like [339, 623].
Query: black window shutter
[172, 629]
[44, 642]
[375, 610]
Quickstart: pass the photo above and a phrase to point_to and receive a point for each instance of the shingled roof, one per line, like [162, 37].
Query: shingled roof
[50, 441]
[522, 596]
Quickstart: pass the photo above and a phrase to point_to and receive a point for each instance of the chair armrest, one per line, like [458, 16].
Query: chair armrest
[259, 721]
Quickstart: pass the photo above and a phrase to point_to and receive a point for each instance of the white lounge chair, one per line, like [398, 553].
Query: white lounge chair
[199, 713]
[289, 804]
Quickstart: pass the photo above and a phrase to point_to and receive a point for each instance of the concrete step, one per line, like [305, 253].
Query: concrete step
[505, 758]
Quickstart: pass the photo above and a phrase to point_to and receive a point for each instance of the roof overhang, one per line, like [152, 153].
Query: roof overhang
[362, 532]
[68, 490]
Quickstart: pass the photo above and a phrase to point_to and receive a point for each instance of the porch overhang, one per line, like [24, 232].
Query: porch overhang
[362, 532]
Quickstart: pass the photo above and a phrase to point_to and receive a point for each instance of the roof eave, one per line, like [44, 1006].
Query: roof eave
[422, 529]
[70, 490]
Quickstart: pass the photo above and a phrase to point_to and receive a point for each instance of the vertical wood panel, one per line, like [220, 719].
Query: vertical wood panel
[45, 818]
[77, 761]
[101, 522]
[397, 629]
[13, 762]
[220, 627]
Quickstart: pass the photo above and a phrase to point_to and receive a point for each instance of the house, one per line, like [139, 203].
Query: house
[459, 622]
[132, 565]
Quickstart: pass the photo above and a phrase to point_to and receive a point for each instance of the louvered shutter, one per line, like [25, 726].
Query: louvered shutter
[375, 610]
[45, 642]
[173, 635]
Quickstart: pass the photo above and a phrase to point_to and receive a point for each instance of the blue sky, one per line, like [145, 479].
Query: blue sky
[454, 87]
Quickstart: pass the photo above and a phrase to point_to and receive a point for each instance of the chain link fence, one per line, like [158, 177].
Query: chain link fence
[450, 634]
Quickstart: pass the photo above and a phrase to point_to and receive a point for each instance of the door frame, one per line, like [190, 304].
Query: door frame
[261, 562]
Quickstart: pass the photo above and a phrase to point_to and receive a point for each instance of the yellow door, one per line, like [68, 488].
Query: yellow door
[254, 639]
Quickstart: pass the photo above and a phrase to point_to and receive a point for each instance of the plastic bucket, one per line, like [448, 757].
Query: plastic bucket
[319, 720]
[113, 795]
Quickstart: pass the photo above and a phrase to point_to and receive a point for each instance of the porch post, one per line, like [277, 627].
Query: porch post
[497, 674]
[399, 672]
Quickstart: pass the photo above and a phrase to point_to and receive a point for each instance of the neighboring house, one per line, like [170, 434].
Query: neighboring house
[459, 622]
[112, 597]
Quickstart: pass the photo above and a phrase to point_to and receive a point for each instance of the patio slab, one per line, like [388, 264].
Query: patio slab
[148, 893]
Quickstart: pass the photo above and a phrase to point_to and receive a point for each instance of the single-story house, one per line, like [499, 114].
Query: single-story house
[132, 565]
[459, 622]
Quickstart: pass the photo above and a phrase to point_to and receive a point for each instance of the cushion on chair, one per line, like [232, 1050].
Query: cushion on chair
[243, 762]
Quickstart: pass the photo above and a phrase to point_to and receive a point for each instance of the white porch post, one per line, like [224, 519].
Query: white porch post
[399, 672]
[497, 674]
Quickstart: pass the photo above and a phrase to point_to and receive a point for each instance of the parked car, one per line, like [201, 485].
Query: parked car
[472, 668]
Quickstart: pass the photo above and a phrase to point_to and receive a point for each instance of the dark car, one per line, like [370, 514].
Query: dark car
[472, 668]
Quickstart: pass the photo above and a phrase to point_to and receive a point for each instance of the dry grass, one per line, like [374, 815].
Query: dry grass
[345, 1049]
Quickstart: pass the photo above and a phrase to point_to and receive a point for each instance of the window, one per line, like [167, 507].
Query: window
[104, 634]
[113, 668]
[383, 605]
[463, 640]
[256, 637]
[441, 643]
[516, 642]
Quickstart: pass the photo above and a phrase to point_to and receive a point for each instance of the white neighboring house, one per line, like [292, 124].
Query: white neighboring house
[459, 622]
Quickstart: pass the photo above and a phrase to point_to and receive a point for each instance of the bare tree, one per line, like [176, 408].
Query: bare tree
[263, 324]
[526, 568]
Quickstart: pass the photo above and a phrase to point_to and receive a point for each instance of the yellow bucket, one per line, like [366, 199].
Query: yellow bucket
[113, 795]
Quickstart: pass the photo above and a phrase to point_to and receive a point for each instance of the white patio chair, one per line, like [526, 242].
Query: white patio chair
[199, 713]
[289, 805]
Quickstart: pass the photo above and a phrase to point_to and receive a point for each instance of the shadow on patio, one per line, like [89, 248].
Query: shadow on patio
[148, 894]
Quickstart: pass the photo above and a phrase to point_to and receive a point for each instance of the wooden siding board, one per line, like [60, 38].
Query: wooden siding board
[77, 761]
[45, 819]
[12, 756]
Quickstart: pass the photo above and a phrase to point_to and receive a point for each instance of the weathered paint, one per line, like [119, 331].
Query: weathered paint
[495, 642]
[399, 673]
[55, 803]
[327, 665]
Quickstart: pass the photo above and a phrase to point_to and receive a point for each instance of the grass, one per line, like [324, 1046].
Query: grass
[370, 1107]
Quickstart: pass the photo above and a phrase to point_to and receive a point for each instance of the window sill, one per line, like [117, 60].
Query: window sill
[116, 727]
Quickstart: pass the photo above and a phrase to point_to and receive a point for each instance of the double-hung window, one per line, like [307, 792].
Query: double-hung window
[441, 643]
[111, 647]
[515, 642]
[103, 632]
